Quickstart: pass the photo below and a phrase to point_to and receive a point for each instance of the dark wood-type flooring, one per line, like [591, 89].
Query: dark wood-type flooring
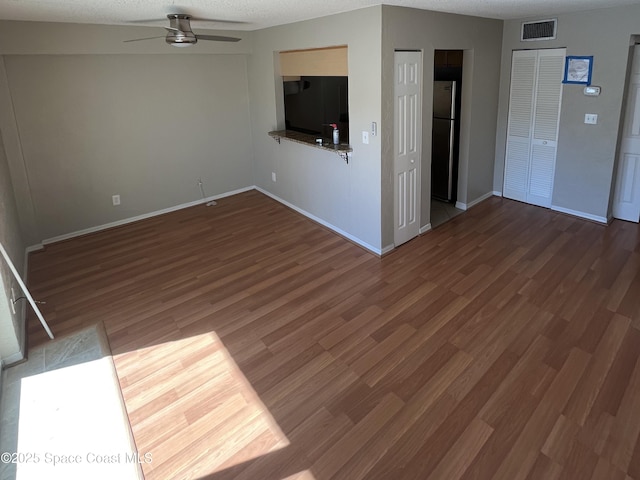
[251, 343]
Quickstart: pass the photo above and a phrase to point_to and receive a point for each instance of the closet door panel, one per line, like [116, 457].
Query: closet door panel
[532, 130]
[548, 97]
[519, 129]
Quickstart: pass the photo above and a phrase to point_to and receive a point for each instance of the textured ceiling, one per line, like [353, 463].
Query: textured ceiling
[257, 14]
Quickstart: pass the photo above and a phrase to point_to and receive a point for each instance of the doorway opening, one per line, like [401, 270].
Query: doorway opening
[445, 145]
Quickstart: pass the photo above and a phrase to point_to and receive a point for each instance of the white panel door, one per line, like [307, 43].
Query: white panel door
[407, 145]
[532, 131]
[626, 203]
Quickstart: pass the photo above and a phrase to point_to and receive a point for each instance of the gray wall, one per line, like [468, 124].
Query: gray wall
[346, 196]
[11, 326]
[406, 28]
[145, 127]
[83, 126]
[586, 153]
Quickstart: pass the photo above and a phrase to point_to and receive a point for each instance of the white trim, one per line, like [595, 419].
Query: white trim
[576, 213]
[497, 193]
[125, 221]
[339, 231]
[425, 229]
[33, 248]
[482, 198]
[387, 249]
[473, 203]
[144, 216]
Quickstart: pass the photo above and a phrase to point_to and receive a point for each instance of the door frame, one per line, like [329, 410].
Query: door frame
[621, 174]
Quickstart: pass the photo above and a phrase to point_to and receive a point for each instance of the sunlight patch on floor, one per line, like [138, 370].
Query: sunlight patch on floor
[306, 475]
[62, 414]
[72, 425]
[193, 410]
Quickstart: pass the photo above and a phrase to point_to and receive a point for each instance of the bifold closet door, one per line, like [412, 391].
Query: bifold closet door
[532, 129]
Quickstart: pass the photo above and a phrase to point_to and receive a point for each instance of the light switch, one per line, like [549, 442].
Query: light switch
[591, 118]
[365, 137]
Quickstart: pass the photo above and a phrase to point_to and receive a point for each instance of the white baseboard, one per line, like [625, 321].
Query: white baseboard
[34, 248]
[117, 223]
[482, 198]
[387, 249]
[576, 213]
[461, 206]
[425, 229]
[339, 231]
[497, 193]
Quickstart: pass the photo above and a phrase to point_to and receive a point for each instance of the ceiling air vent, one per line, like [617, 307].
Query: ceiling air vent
[539, 30]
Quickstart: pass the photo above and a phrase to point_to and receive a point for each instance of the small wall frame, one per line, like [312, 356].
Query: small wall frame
[578, 69]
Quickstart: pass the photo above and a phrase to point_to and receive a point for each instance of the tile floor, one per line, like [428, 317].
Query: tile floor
[44, 412]
[442, 212]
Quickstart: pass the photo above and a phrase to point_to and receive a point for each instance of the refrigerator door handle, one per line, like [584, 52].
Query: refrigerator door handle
[453, 99]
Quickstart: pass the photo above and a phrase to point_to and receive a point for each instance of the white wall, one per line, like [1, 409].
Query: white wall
[85, 121]
[480, 38]
[346, 196]
[11, 326]
[586, 153]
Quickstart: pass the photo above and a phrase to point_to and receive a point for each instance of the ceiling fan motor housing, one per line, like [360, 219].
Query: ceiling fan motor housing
[180, 34]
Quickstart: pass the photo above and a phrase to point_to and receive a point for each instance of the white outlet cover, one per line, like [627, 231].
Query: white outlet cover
[591, 118]
[273, 176]
[365, 137]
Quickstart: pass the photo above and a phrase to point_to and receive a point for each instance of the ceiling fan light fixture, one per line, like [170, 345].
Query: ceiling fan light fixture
[179, 33]
[181, 39]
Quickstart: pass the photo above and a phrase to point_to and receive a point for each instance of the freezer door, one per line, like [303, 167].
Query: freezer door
[442, 159]
[444, 93]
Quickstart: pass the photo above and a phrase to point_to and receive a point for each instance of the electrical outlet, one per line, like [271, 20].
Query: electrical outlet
[365, 137]
[591, 118]
[273, 176]
[115, 199]
[13, 301]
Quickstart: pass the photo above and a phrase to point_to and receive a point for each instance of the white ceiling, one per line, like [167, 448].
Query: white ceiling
[259, 14]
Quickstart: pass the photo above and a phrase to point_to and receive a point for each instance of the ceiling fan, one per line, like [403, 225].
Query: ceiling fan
[179, 33]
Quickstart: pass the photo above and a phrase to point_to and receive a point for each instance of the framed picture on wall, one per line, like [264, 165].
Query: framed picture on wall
[577, 70]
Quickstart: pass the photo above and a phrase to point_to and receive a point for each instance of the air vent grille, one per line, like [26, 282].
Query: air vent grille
[539, 30]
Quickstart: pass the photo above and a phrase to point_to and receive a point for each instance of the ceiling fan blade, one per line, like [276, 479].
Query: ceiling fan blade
[147, 38]
[218, 38]
[217, 20]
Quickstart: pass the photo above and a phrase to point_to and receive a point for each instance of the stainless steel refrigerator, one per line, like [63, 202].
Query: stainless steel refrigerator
[442, 147]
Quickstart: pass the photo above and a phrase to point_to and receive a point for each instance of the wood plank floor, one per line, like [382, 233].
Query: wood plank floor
[251, 343]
